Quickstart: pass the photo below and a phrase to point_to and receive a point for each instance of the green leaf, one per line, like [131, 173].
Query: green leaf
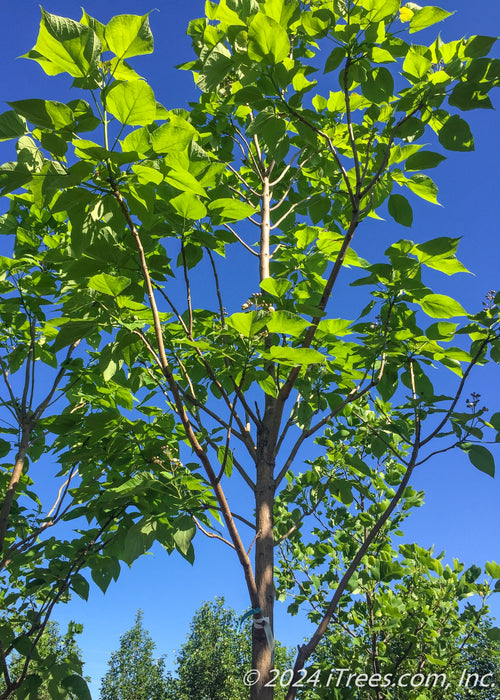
[495, 421]
[4, 448]
[378, 85]
[441, 306]
[228, 209]
[294, 356]
[65, 46]
[215, 68]
[249, 323]
[379, 55]
[97, 27]
[493, 633]
[183, 180]
[426, 17]
[436, 247]
[80, 585]
[12, 177]
[107, 284]
[225, 457]
[54, 144]
[334, 327]
[78, 686]
[45, 113]
[267, 40]
[316, 23]
[411, 129]
[455, 135]
[189, 206]
[184, 533]
[120, 70]
[147, 175]
[481, 458]
[174, 136]
[415, 64]
[467, 96]
[444, 330]
[132, 103]
[423, 160]
[286, 322]
[72, 331]
[492, 569]
[138, 141]
[478, 46]
[129, 35]
[11, 125]
[438, 254]
[423, 187]
[84, 117]
[400, 209]
[380, 9]
[334, 59]
[275, 287]
[267, 384]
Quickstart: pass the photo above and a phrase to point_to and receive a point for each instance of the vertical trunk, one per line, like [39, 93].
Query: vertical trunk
[262, 659]
[8, 498]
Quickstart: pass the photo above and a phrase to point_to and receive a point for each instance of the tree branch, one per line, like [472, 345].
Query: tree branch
[306, 650]
[231, 229]
[212, 535]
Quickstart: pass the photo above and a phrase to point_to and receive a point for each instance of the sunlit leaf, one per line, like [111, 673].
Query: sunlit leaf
[267, 40]
[132, 103]
[441, 306]
[426, 17]
[129, 35]
[65, 46]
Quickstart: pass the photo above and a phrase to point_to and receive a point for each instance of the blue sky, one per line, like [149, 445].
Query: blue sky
[461, 514]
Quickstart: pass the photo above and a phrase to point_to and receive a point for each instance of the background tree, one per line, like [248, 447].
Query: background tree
[55, 666]
[216, 654]
[245, 392]
[134, 674]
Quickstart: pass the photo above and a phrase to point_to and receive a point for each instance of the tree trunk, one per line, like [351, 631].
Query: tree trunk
[17, 471]
[262, 658]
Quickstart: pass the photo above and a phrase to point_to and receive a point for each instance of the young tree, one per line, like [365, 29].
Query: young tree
[404, 614]
[215, 656]
[133, 672]
[98, 456]
[268, 146]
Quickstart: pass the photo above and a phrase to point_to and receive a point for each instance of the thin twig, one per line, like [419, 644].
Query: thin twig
[188, 290]
[290, 210]
[212, 535]
[217, 287]
[231, 229]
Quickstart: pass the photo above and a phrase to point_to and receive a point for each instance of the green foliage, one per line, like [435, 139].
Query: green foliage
[56, 670]
[108, 232]
[215, 656]
[404, 611]
[133, 673]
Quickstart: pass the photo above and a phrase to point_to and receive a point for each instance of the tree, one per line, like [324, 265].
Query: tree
[41, 557]
[215, 656]
[404, 614]
[55, 667]
[245, 392]
[133, 673]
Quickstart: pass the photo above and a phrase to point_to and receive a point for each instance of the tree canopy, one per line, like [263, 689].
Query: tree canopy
[133, 673]
[162, 388]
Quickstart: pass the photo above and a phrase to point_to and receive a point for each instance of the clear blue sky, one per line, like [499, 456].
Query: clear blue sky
[462, 512]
